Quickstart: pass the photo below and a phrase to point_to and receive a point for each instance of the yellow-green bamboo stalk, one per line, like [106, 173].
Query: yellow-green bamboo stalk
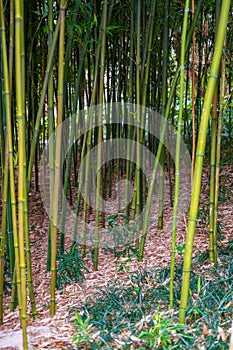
[75, 104]
[10, 233]
[28, 251]
[213, 76]
[155, 168]
[2, 138]
[20, 99]
[214, 119]
[74, 122]
[13, 303]
[212, 175]
[177, 160]
[218, 152]
[41, 104]
[50, 131]
[130, 97]
[9, 215]
[10, 154]
[193, 92]
[4, 226]
[137, 184]
[58, 164]
[85, 177]
[164, 101]
[26, 228]
[100, 136]
[11, 43]
[145, 76]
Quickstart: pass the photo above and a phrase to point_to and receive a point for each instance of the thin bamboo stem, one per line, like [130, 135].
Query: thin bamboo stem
[41, 104]
[100, 136]
[50, 131]
[20, 115]
[4, 227]
[58, 165]
[218, 152]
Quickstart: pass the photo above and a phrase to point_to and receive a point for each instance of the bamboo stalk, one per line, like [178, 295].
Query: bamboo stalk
[193, 92]
[137, 184]
[41, 104]
[100, 136]
[75, 111]
[20, 115]
[212, 175]
[177, 160]
[213, 76]
[218, 152]
[10, 153]
[130, 98]
[214, 122]
[4, 227]
[164, 101]
[58, 165]
[50, 131]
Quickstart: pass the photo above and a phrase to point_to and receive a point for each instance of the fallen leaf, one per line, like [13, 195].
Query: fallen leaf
[222, 334]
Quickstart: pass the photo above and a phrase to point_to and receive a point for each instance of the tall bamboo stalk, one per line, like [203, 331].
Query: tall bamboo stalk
[218, 152]
[164, 102]
[50, 131]
[155, 168]
[10, 153]
[20, 115]
[130, 99]
[71, 139]
[41, 104]
[137, 184]
[4, 227]
[100, 136]
[212, 252]
[58, 165]
[213, 76]
[214, 120]
[193, 91]
[177, 160]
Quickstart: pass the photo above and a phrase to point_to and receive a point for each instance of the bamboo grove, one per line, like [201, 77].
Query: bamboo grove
[90, 66]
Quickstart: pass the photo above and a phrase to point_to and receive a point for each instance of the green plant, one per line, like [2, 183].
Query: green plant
[84, 329]
[123, 264]
[180, 248]
[71, 267]
[163, 334]
[122, 234]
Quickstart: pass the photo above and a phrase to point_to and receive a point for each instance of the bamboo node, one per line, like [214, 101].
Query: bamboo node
[214, 76]
[192, 219]
[183, 307]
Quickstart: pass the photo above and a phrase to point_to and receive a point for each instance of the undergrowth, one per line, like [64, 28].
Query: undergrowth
[71, 267]
[134, 313]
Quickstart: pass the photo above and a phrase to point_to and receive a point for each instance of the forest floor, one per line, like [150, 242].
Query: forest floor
[56, 332]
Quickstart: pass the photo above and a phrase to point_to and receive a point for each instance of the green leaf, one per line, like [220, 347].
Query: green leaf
[79, 318]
